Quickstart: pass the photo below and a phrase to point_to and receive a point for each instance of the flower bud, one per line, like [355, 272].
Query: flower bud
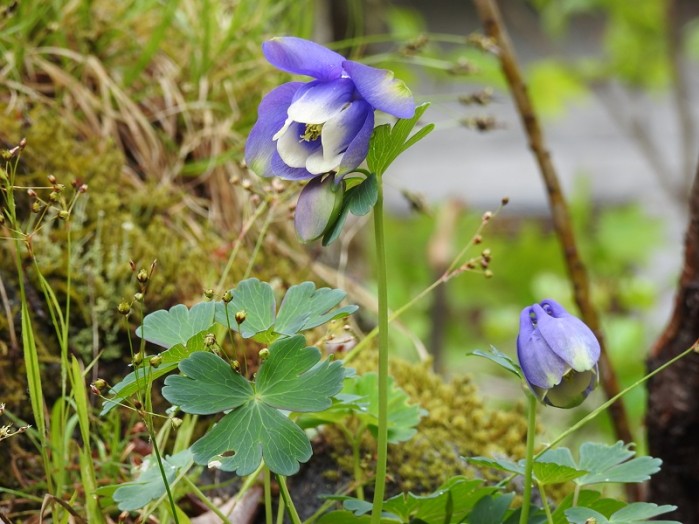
[558, 354]
[138, 297]
[137, 359]
[227, 297]
[124, 308]
[52, 180]
[142, 276]
[263, 354]
[155, 361]
[36, 206]
[209, 339]
[100, 384]
[63, 214]
[240, 317]
[209, 293]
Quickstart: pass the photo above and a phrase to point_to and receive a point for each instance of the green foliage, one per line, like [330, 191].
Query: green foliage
[598, 463]
[149, 484]
[636, 513]
[452, 502]
[388, 141]
[504, 361]
[303, 307]
[403, 417]
[256, 427]
[176, 326]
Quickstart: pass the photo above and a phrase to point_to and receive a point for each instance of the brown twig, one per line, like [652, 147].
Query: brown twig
[494, 28]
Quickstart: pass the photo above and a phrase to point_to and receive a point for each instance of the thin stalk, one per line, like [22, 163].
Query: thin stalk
[204, 499]
[587, 418]
[545, 502]
[454, 270]
[268, 496]
[260, 240]
[529, 465]
[382, 437]
[358, 473]
[159, 459]
[293, 514]
[238, 242]
[280, 511]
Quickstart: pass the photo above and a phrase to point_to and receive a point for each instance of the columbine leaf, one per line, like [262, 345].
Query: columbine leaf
[149, 485]
[612, 464]
[402, 416]
[556, 466]
[497, 463]
[177, 325]
[636, 513]
[585, 516]
[451, 502]
[587, 499]
[491, 509]
[551, 473]
[502, 360]
[642, 513]
[303, 307]
[256, 300]
[388, 142]
[147, 374]
[293, 378]
[210, 386]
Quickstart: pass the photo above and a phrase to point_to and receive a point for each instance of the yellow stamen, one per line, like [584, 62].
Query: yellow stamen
[312, 132]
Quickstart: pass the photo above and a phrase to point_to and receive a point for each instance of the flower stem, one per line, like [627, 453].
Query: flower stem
[268, 496]
[293, 514]
[381, 276]
[529, 465]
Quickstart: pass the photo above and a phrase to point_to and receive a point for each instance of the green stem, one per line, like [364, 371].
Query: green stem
[293, 514]
[268, 496]
[358, 473]
[382, 437]
[204, 499]
[529, 465]
[545, 502]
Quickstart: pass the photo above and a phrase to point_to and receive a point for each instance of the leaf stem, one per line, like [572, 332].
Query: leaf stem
[381, 275]
[293, 514]
[529, 465]
[545, 502]
[269, 517]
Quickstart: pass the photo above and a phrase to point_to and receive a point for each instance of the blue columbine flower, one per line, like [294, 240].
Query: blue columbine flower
[558, 354]
[308, 129]
[320, 129]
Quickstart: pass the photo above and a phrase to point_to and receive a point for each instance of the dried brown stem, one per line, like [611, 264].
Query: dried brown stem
[495, 29]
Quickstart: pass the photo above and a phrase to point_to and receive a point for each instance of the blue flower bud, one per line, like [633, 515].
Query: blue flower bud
[558, 354]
